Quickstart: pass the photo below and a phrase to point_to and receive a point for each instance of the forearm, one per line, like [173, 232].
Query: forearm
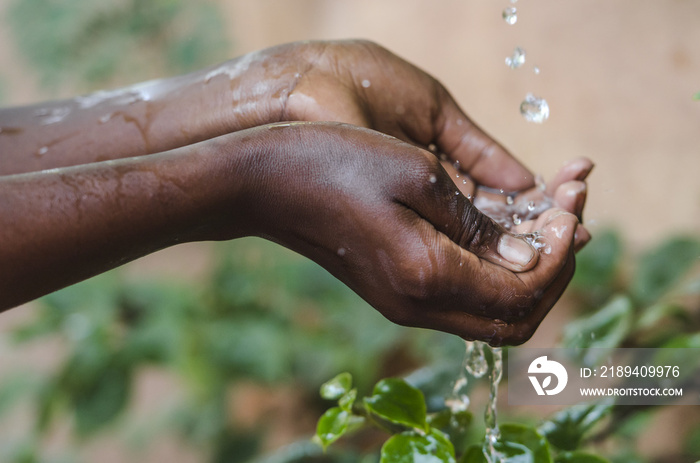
[61, 226]
[150, 117]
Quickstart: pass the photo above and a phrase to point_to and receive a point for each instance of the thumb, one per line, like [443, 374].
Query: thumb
[480, 235]
[455, 216]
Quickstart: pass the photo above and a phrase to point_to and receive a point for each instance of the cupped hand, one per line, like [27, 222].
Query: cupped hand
[385, 218]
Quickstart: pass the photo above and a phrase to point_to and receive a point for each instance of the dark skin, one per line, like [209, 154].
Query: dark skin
[208, 156]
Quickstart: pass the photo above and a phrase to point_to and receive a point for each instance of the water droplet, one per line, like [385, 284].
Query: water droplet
[456, 165]
[43, 150]
[510, 15]
[469, 197]
[432, 147]
[366, 83]
[341, 252]
[443, 157]
[104, 119]
[536, 70]
[502, 191]
[509, 200]
[517, 59]
[432, 178]
[516, 219]
[539, 183]
[464, 181]
[534, 109]
[456, 193]
[531, 206]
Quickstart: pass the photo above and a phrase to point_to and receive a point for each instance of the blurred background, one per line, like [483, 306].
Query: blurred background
[215, 352]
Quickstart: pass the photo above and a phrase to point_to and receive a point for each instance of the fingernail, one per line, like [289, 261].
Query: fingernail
[514, 250]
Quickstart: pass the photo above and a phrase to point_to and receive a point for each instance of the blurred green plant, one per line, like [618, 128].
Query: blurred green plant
[267, 315]
[654, 307]
[98, 41]
[264, 314]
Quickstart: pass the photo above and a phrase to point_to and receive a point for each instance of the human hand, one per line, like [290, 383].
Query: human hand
[385, 218]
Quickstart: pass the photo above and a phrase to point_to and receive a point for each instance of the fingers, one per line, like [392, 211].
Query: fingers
[454, 215]
[487, 162]
[576, 169]
[504, 308]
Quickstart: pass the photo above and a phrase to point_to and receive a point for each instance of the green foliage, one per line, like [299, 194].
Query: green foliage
[418, 437]
[596, 267]
[661, 268]
[94, 41]
[410, 447]
[566, 429]
[696, 96]
[398, 402]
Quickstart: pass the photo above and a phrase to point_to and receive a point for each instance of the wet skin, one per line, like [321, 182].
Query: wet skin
[361, 196]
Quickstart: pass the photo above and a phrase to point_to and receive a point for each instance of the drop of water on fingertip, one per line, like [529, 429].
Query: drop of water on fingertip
[366, 83]
[509, 200]
[432, 178]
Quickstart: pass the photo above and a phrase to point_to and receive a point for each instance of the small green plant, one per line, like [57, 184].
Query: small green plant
[399, 409]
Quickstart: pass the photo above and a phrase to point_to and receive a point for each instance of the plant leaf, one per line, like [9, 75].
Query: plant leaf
[346, 402]
[395, 400]
[566, 429]
[604, 329]
[661, 268]
[332, 425]
[517, 444]
[411, 447]
[597, 264]
[336, 387]
[579, 457]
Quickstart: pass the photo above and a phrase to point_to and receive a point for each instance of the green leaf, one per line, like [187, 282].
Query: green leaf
[597, 264]
[579, 457]
[395, 400]
[332, 425]
[661, 268]
[337, 387]
[411, 447]
[517, 444]
[346, 402]
[606, 328]
[567, 428]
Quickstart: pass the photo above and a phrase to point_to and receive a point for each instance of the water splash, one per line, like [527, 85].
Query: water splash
[510, 15]
[517, 59]
[534, 109]
[490, 414]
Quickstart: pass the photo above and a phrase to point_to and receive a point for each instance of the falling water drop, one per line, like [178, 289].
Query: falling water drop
[510, 15]
[517, 59]
[490, 421]
[534, 109]
[536, 70]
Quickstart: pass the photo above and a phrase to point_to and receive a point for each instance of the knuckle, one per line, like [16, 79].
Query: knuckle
[478, 233]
